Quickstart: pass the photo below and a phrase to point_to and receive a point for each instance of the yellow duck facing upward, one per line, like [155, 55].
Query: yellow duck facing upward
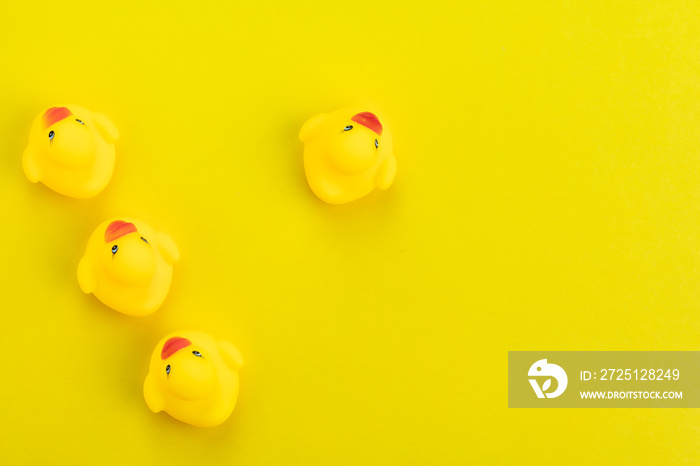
[347, 154]
[71, 150]
[194, 378]
[128, 266]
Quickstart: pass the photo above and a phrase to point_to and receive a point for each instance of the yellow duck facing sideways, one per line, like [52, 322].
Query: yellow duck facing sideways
[347, 154]
[128, 266]
[194, 378]
[71, 150]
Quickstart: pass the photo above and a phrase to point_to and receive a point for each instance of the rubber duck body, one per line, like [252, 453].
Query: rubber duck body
[347, 154]
[71, 151]
[128, 266]
[194, 378]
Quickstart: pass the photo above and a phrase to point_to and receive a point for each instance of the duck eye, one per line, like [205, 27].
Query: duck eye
[115, 248]
[80, 121]
[167, 369]
[348, 128]
[197, 353]
[144, 240]
[51, 135]
[376, 144]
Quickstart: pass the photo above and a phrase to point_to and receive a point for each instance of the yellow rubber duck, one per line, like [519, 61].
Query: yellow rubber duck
[71, 150]
[128, 266]
[194, 378]
[347, 154]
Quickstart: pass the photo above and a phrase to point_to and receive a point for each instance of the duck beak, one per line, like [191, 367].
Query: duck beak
[173, 345]
[54, 115]
[117, 229]
[369, 120]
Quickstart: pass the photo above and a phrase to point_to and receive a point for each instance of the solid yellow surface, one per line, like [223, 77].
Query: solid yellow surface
[546, 197]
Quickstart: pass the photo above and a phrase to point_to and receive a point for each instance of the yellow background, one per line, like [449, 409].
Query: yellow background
[546, 198]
